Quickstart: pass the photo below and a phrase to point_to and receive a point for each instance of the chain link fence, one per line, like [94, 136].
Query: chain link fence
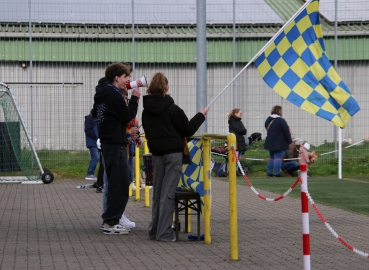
[52, 55]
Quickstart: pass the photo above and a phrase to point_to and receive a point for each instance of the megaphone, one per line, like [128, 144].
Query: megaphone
[141, 82]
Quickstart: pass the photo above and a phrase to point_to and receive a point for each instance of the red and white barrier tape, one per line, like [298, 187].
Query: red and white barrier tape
[255, 191]
[303, 188]
[339, 238]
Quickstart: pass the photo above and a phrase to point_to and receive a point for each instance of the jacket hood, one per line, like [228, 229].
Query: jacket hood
[103, 82]
[157, 104]
[102, 90]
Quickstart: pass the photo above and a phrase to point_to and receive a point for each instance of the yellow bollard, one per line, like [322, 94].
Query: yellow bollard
[147, 190]
[207, 191]
[231, 142]
[146, 149]
[137, 174]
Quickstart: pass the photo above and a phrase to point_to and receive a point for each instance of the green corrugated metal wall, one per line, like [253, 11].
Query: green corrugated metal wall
[156, 50]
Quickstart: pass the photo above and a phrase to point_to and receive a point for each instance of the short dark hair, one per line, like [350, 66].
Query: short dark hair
[117, 69]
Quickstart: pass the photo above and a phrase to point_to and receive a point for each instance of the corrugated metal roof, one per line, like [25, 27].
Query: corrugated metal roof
[287, 8]
[145, 11]
[167, 43]
[60, 31]
[157, 50]
[347, 10]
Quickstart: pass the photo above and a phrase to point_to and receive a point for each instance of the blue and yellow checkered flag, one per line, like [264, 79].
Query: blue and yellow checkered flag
[296, 66]
[192, 174]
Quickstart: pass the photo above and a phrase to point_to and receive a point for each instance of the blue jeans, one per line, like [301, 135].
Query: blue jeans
[240, 154]
[275, 161]
[94, 153]
[290, 166]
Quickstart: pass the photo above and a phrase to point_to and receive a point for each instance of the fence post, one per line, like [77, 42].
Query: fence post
[305, 218]
[231, 142]
[207, 190]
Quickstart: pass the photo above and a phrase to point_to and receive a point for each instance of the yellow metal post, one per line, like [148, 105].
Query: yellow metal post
[137, 174]
[147, 190]
[231, 140]
[146, 149]
[207, 190]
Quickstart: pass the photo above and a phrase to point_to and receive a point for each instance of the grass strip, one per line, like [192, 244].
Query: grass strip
[349, 194]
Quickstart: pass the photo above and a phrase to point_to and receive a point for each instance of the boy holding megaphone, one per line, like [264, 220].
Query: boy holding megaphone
[141, 82]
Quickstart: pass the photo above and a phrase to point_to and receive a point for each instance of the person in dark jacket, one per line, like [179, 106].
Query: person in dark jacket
[91, 143]
[277, 141]
[113, 115]
[236, 126]
[166, 126]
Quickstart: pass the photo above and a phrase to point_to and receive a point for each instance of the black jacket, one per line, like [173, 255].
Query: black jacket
[165, 124]
[112, 113]
[236, 126]
[278, 134]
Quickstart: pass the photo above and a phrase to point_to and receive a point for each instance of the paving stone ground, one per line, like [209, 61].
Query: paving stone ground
[57, 226]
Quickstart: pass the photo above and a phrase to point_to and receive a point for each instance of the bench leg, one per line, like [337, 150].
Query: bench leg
[176, 220]
[185, 202]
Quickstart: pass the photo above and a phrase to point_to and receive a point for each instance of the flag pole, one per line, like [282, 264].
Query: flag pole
[335, 67]
[260, 52]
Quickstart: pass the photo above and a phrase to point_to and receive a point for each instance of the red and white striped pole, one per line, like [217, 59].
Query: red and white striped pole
[305, 218]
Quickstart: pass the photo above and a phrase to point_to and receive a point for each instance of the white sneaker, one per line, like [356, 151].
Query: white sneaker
[143, 186]
[91, 177]
[124, 221]
[114, 229]
[133, 186]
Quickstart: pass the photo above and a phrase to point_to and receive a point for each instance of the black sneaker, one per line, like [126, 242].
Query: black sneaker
[269, 175]
[99, 189]
[277, 175]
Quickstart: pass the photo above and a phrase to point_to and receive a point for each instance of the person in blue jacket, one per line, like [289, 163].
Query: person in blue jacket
[91, 143]
[277, 141]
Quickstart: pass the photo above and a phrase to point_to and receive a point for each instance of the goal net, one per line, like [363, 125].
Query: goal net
[18, 159]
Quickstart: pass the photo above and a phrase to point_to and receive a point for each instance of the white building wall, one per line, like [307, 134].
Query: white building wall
[54, 114]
